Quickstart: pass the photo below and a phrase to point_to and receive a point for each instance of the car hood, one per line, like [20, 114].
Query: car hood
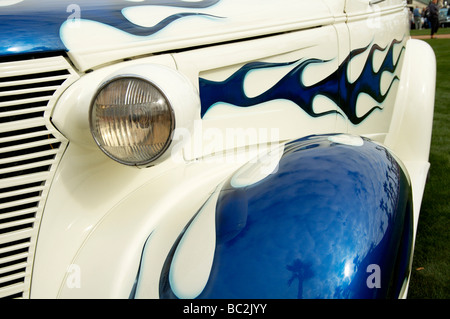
[98, 32]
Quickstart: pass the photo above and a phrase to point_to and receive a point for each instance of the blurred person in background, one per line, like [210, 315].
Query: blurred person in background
[433, 16]
[417, 18]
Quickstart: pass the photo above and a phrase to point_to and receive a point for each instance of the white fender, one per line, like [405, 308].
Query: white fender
[410, 131]
[411, 127]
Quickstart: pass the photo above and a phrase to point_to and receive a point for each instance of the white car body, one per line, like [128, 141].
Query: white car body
[104, 230]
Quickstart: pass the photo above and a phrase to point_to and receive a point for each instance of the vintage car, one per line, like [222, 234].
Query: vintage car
[211, 148]
[444, 17]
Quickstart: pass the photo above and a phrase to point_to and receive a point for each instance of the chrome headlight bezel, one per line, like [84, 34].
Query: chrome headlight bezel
[150, 159]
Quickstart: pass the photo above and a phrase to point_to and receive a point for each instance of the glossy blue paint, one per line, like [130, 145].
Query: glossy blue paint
[336, 86]
[34, 26]
[27, 27]
[312, 229]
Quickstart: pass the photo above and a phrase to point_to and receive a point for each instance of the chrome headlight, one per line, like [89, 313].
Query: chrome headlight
[132, 120]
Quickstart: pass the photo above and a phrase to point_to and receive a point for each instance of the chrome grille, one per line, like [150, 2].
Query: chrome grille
[30, 149]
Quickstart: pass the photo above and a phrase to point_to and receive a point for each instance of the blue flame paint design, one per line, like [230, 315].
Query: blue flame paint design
[313, 228]
[30, 26]
[336, 86]
[147, 31]
[117, 20]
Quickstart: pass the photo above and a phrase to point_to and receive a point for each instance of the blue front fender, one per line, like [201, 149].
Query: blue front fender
[333, 221]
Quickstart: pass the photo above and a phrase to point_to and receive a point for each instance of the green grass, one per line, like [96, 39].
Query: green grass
[431, 265]
[427, 31]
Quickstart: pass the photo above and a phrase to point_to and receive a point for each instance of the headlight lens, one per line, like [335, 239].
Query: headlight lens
[132, 121]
